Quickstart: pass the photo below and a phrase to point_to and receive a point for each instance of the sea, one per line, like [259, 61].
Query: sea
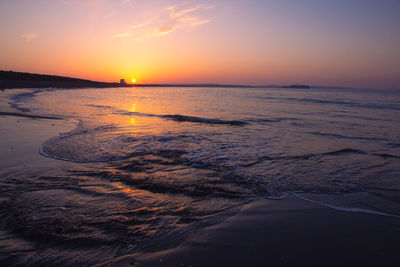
[144, 168]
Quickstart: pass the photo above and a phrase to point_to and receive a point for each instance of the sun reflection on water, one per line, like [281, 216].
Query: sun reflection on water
[132, 121]
[127, 190]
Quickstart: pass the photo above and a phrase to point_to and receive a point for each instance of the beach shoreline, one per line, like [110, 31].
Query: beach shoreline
[24, 132]
[288, 232]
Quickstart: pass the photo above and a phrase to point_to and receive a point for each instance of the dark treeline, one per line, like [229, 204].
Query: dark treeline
[12, 79]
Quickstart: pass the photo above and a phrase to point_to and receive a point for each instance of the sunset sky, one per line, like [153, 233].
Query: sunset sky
[335, 42]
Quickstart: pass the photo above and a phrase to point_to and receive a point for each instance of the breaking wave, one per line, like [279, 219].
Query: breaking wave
[184, 118]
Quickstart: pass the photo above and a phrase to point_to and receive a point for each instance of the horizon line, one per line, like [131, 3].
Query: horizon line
[202, 84]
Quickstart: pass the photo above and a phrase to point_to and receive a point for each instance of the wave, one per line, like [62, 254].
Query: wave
[339, 152]
[16, 99]
[358, 210]
[161, 185]
[394, 145]
[337, 102]
[312, 155]
[351, 104]
[184, 118]
[101, 106]
[77, 131]
[85, 145]
[384, 155]
[195, 119]
[348, 137]
[345, 151]
[273, 120]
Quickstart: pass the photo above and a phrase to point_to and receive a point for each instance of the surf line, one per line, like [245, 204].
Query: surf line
[347, 209]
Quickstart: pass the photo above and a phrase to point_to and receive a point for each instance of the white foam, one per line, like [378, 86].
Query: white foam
[347, 209]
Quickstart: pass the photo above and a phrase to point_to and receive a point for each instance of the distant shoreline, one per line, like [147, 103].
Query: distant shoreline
[16, 80]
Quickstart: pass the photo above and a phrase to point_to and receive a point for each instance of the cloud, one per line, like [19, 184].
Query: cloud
[170, 7]
[127, 2]
[164, 30]
[140, 25]
[193, 21]
[177, 12]
[120, 35]
[29, 36]
[185, 16]
[167, 20]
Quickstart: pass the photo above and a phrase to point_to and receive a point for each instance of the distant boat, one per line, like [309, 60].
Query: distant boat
[298, 86]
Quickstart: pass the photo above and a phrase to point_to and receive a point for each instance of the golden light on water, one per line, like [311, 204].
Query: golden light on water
[132, 121]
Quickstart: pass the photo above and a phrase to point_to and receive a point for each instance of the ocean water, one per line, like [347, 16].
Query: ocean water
[145, 168]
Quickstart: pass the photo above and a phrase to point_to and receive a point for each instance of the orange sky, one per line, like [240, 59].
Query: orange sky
[337, 43]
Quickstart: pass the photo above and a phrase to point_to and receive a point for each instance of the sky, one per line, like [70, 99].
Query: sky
[353, 43]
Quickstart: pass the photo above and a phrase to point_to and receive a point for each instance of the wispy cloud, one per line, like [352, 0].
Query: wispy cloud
[164, 30]
[178, 12]
[140, 25]
[181, 16]
[29, 36]
[120, 35]
[167, 20]
[193, 21]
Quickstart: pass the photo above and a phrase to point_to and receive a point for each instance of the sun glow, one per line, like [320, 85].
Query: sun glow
[133, 80]
[132, 121]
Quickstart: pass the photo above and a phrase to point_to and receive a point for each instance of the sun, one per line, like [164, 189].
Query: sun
[133, 80]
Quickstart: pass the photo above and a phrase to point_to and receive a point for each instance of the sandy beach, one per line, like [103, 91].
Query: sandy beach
[290, 232]
[22, 135]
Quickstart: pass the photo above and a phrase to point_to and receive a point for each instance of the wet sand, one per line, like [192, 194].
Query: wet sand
[289, 232]
[16, 114]
[22, 138]
[22, 135]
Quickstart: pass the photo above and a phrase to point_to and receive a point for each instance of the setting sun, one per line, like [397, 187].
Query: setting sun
[133, 80]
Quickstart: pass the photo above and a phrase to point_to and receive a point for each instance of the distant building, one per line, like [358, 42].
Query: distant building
[122, 82]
